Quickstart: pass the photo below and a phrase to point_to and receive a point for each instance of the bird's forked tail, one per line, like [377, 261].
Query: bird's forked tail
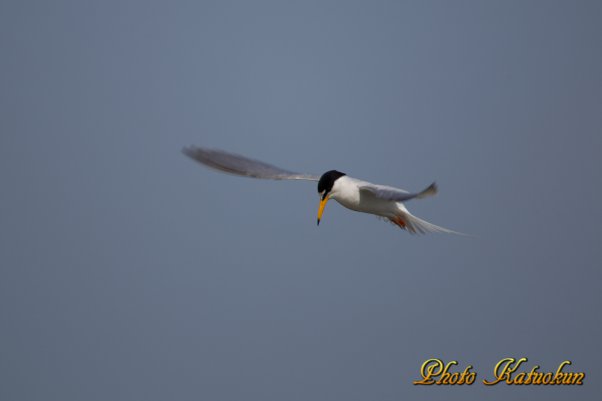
[414, 225]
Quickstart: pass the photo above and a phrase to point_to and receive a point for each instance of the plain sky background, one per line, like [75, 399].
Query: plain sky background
[128, 272]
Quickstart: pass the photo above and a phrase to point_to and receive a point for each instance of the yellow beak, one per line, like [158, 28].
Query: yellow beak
[321, 208]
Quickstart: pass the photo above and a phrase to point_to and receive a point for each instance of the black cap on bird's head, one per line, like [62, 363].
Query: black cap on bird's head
[325, 186]
[327, 181]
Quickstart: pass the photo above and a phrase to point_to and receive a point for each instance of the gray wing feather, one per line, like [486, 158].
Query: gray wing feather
[232, 163]
[396, 194]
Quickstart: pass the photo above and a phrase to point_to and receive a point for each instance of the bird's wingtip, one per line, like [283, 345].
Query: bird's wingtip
[188, 150]
[431, 190]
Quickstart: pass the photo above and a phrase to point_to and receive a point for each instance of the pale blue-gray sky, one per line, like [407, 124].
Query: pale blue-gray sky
[128, 272]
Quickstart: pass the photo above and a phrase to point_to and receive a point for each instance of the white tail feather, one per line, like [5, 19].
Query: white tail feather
[416, 225]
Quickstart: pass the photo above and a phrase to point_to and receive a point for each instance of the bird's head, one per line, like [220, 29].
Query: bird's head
[325, 188]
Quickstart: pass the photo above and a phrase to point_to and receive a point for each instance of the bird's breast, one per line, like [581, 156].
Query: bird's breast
[347, 193]
[350, 196]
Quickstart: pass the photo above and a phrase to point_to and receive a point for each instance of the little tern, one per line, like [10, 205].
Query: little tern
[361, 196]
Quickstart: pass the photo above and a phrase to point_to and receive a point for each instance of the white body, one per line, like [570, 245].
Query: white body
[347, 191]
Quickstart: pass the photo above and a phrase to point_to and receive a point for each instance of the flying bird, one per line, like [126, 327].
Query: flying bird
[361, 196]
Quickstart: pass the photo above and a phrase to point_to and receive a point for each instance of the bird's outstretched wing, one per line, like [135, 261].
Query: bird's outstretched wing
[240, 165]
[395, 194]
